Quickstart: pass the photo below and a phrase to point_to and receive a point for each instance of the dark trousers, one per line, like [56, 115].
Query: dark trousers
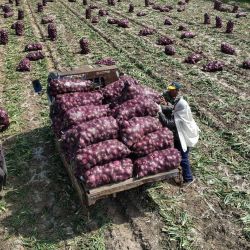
[185, 165]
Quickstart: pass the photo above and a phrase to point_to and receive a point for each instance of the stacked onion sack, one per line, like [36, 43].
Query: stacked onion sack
[112, 134]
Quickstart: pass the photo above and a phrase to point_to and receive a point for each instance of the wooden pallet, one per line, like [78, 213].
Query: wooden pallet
[88, 197]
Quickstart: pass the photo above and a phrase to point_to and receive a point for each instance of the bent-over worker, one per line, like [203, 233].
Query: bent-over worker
[177, 116]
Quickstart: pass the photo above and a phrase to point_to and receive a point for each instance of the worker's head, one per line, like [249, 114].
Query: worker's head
[174, 89]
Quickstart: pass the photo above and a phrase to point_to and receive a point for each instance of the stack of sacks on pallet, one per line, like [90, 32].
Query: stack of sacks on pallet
[102, 131]
[88, 134]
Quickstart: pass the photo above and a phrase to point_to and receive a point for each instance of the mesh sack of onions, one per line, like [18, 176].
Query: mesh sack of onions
[213, 66]
[114, 90]
[182, 28]
[227, 49]
[6, 8]
[4, 120]
[102, 12]
[35, 55]
[18, 2]
[246, 64]
[39, 7]
[168, 22]
[207, 19]
[164, 40]
[241, 14]
[33, 47]
[158, 140]
[146, 32]
[95, 19]
[170, 50]
[84, 45]
[113, 21]
[4, 37]
[131, 8]
[134, 129]
[187, 34]
[52, 31]
[131, 91]
[141, 13]
[106, 61]
[193, 58]
[86, 113]
[24, 65]
[111, 172]
[67, 101]
[135, 108]
[124, 23]
[8, 14]
[61, 86]
[88, 133]
[88, 12]
[218, 22]
[157, 162]
[20, 15]
[101, 153]
[47, 19]
[230, 27]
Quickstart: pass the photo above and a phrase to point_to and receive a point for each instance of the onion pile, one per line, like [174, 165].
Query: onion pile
[213, 66]
[24, 65]
[146, 32]
[141, 13]
[134, 129]
[193, 58]
[6, 8]
[4, 120]
[106, 61]
[157, 162]
[111, 172]
[217, 5]
[158, 140]
[33, 47]
[4, 37]
[164, 40]
[241, 14]
[182, 28]
[8, 14]
[101, 153]
[44, 2]
[61, 86]
[235, 9]
[95, 19]
[167, 22]
[52, 31]
[227, 49]
[35, 55]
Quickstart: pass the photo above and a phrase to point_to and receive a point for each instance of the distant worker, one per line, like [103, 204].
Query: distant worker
[175, 114]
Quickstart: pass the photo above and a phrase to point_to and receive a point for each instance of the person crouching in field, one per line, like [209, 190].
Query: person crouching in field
[176, 114]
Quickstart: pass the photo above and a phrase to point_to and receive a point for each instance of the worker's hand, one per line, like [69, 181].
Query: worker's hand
[159, 108]
[163, 101]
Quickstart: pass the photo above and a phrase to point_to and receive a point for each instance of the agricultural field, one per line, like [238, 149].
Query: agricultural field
[39, 209]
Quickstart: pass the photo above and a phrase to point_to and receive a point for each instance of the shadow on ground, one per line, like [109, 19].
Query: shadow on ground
[40, 202]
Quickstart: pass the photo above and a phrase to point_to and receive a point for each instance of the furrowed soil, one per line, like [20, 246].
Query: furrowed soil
[39, 209]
